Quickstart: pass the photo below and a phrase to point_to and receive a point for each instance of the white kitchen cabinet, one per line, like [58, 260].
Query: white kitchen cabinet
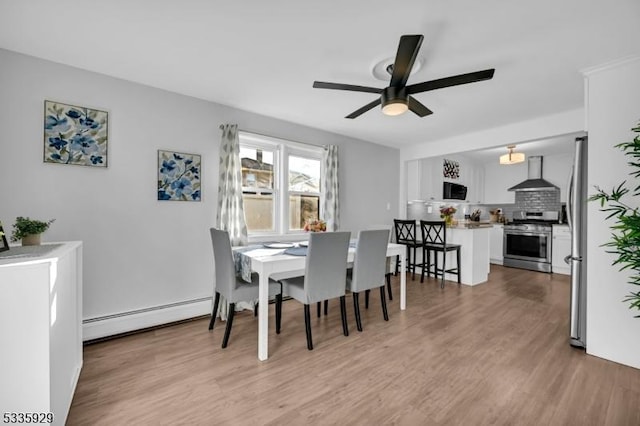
[414, 180]
[476, 184]
[496, 234]
[41, 330]
[499, 178]
[471, 175]
[431, 179]
[561, 247]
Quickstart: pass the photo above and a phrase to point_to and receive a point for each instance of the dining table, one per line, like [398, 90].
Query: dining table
[270, 262]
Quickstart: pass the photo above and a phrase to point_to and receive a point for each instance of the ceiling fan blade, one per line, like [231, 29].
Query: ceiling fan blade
[419, 109]
[455, 80]
[405, 57]
[339, 86]
[364, 109]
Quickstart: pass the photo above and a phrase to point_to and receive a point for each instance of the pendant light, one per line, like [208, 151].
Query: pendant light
[512, 157]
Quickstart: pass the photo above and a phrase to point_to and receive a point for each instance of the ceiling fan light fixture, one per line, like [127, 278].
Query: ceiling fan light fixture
[512, 157]
[395, 108]
[395, 101]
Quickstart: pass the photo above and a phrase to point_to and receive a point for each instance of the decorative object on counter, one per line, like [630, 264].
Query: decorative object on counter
[494, 215]
[178, 176]
[75, 135]
[315, 225]
[475, 215]
[512, 157]
[29, 230]
[450, 169]
[625, 240]
[3, 240]
[447, 213]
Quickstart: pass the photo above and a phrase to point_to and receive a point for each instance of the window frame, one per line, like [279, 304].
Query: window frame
[281, 211]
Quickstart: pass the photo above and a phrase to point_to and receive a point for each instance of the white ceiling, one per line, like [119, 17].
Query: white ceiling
[263, 56]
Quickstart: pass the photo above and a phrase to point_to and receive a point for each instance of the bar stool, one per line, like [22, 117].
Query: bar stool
[434, 238]
[405, 231]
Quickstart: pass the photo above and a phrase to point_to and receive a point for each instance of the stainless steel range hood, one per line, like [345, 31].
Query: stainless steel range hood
[535, 181]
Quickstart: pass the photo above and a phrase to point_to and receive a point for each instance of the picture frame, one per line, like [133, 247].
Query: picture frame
[4, 245]
[75, 135]
[179, 176]
[450, 169]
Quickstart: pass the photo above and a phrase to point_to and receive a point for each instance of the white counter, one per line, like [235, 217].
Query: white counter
[474, 253]
[40, 329]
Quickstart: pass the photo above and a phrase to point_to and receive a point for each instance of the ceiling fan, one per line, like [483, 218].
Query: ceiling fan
[396, 98]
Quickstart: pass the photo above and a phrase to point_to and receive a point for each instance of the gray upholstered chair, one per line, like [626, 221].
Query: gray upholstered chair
[324, 277]
[369, 269]
[390, 267]
[233, 288]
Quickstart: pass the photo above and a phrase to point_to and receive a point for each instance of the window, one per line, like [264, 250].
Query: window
[304, 190]
[258, 189]
[280, 184]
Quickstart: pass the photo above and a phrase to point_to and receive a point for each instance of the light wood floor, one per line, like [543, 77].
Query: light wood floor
[496, 353]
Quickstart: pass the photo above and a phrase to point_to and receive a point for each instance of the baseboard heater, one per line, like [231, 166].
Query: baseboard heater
[124, 322]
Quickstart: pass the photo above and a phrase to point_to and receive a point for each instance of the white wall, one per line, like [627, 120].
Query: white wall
[139, 252]
[612, 110]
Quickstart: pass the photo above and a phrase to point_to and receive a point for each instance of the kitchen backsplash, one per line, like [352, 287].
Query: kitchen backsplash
[538, 201]
[535, 201]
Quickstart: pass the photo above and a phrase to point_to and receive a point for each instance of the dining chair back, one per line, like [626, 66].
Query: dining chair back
[369, 269]
[369, 266]
[232, 288]
[405, 233]
[434, 238]
[326, 266]
[325, 276]
[390, 262]
[225, 271]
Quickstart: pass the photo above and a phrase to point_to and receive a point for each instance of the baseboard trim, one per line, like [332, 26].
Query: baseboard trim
[109, 325]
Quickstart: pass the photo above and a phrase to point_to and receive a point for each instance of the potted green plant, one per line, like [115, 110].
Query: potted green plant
[625, 242]
[29, 230]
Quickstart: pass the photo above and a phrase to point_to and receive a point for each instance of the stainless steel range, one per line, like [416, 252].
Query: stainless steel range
[527, 241]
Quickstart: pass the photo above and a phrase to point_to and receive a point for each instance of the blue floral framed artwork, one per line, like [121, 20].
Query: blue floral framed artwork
[75, 135]
[178, 176]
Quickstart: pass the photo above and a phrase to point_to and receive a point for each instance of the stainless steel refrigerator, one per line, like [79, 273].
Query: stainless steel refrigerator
[577, 220]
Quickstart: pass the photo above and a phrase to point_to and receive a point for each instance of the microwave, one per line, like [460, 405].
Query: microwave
[453, 191]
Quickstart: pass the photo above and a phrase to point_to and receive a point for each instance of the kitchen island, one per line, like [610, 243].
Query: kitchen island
[473, 238]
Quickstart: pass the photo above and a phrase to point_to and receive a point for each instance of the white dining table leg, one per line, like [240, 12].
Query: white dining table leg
[263, 316]
[403, 281]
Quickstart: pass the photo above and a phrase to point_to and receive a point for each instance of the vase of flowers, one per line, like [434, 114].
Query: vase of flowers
[315, 225]
[447, 213]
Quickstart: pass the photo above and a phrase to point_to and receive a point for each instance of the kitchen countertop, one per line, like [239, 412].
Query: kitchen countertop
[462, 224]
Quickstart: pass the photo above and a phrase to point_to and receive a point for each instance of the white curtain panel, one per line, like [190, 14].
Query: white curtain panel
[230, 215]
[331, 206]
[230, 205]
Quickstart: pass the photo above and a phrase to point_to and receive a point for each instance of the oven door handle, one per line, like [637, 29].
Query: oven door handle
[529, 233]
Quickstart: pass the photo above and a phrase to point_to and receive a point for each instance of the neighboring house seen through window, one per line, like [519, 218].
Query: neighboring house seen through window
[280, 184]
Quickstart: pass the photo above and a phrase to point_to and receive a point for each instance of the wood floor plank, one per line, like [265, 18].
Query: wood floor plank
[496, 353]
